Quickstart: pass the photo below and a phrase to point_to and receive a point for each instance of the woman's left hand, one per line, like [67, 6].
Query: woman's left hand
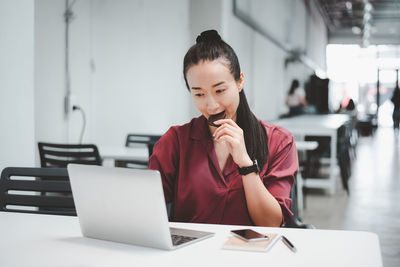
[230, 133]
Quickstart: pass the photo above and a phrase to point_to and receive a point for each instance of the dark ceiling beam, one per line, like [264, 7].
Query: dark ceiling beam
[330, 24]
[337, 16]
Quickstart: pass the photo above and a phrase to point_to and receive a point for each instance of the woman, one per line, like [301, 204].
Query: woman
[396, 110]
[295, 99]
[209, 165]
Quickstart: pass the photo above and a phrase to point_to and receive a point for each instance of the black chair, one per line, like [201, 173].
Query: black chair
[59, 155]
[344, 152]
[344, 148]
[136, 140]
[294, 221]
[147, 139]
[48, 192]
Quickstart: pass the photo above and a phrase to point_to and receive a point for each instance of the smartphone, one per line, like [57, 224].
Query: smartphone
[249, 235]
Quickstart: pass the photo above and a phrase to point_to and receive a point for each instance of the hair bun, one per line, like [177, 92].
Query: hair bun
[208, 36]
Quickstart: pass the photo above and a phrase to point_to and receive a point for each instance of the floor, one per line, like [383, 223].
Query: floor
[374, 200]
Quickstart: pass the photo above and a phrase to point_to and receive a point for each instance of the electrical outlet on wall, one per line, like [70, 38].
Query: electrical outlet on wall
[69, 103]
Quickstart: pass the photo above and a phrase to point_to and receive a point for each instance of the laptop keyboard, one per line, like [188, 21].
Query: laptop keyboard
[180, 239]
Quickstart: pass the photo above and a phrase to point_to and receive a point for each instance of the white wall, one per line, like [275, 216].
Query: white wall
[51, 125]
[125, 65]
[138, 49]
[204, 15]
[16, 83]
[317, 38]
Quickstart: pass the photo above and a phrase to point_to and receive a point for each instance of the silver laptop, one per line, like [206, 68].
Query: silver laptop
[125, 205]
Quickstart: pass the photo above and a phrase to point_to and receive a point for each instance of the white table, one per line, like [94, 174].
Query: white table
[49, 240]
[306, 145]
[111, 154]
[318, 125]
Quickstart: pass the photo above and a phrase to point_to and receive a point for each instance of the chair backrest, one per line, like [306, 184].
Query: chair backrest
[146, 139]
[36, 190]
[59, 155]
[294, 221]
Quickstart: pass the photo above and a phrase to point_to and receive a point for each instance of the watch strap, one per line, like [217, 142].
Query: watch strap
[249, 169]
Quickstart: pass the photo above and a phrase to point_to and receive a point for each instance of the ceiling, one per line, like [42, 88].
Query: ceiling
[361, 21]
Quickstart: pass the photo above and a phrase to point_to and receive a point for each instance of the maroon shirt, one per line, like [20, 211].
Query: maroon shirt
[201, 192]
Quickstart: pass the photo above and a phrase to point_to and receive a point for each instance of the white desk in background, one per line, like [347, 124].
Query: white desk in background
[112, 154]
[48, 240]
[306, 145]
[318, 125]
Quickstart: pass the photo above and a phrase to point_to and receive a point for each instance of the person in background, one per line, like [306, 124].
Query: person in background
[349, 107]
[226, 166]
[296, 99]
[396, 110]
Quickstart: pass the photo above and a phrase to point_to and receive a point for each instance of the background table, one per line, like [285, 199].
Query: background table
[318, 125]
[49, 240]
[112, 154]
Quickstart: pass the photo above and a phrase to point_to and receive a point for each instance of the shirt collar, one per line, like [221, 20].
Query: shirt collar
[200, 129]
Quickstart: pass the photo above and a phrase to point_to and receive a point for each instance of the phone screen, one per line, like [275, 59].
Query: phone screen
[249, 234]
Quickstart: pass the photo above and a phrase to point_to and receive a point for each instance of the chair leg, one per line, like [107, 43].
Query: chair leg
[120, 163]
[300, 199]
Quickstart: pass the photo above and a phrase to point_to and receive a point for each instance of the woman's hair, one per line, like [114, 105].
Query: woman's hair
[351, 105]
[209, 46]
[295, 84]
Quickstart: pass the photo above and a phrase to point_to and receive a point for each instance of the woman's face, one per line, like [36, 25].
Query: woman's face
[214, 89]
